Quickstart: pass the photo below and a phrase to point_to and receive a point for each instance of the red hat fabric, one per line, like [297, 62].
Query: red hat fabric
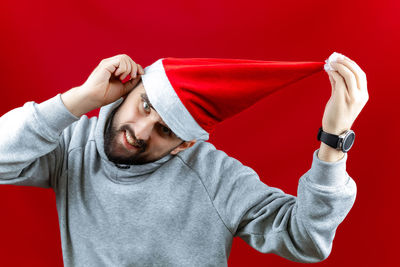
[193, 95]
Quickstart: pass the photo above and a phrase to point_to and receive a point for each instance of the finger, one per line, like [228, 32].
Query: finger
[141, 70]
[340, 85]
[349, 77]
[125, 67]
[332, 81]
[361, 74]
[131, 66]
[128, 69]
[111, 64]
[120, 68]
[350, 65]
[111, 59]
[359, 70]
[134, 68]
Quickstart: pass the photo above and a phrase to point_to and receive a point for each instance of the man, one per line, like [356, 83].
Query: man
[139, 186]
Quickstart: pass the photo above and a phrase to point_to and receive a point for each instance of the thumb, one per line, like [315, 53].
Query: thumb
[332, 81]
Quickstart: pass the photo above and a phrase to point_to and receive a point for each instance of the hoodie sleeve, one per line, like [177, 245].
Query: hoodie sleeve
[31, 147]
[298, 228]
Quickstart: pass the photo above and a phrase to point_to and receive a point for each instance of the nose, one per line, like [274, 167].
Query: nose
[144, 127]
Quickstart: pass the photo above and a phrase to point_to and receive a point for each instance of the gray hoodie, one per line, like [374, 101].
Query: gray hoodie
[181, 210]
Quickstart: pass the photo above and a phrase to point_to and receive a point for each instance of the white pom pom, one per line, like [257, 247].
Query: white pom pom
[332, 58]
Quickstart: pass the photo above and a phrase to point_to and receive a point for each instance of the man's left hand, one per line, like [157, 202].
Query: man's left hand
[349, 96]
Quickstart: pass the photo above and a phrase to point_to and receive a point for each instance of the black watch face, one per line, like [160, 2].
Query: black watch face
[348, 141]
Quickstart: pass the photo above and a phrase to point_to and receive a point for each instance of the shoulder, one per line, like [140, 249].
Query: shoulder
[211, 163]
[202, 153]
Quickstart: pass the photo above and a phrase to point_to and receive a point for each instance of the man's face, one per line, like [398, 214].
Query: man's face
[135, 120]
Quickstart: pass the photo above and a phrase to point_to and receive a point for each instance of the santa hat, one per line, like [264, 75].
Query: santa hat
[193, 95]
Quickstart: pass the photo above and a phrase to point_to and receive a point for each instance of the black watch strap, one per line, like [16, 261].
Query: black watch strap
[329, 139]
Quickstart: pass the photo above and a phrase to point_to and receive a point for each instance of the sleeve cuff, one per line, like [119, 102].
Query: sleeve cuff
[54, 115]
[328, 173]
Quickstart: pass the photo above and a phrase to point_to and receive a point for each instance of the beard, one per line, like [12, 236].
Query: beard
[111, 142]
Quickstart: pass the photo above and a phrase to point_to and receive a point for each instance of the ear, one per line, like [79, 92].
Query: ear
[183, 146]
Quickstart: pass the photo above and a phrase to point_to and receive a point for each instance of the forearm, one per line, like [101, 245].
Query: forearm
[329, 154]
[76, 102]
[301, 229]
[28, 133]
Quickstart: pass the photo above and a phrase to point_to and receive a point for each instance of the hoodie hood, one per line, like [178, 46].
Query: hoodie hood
[129, 170]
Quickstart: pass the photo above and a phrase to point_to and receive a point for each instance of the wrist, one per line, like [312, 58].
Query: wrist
[76, 102]
[329, 154]
[334, 131]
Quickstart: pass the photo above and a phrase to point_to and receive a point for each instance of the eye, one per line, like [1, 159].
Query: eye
[166, 130]
[146, 106]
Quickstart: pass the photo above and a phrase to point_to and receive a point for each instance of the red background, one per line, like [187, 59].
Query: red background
[49, 47]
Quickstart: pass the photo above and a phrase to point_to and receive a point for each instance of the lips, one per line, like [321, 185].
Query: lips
[127, 144]
[129, 137]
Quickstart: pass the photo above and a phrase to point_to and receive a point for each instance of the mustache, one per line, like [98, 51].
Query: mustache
[138, 142]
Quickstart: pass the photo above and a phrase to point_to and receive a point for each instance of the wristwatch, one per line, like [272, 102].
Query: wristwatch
[340, 142]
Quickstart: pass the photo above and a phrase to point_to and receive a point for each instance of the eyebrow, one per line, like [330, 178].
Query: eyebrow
[145, 98]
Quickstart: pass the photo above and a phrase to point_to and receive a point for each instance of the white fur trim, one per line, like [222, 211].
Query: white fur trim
[168, 105]
[332, 58]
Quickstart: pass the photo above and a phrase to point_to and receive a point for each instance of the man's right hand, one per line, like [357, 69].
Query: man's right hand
[103, 85]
